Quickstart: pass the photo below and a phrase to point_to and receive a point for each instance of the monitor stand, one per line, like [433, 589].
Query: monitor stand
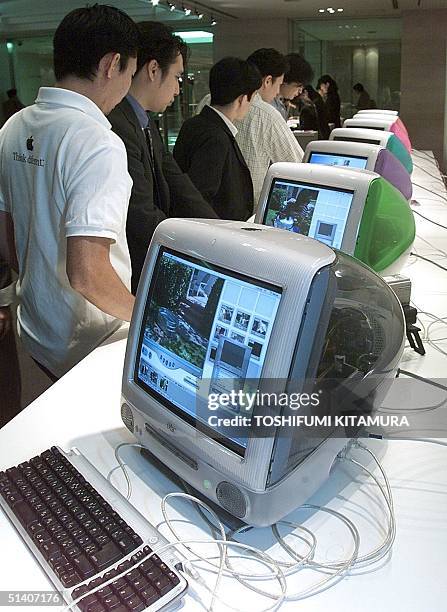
[231, 522]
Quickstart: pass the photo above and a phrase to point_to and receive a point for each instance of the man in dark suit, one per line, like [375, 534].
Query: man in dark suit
[206, 147]
[160, 189]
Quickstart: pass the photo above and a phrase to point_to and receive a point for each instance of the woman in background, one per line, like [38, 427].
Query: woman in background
[313, 115]
[332, 98]
[333, 102]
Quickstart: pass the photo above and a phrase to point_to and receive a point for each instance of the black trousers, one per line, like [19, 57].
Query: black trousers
[10, 383]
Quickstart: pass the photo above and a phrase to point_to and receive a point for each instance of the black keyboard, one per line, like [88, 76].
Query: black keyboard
[76, 534]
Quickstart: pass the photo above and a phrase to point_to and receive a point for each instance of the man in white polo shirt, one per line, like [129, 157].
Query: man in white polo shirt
[64, 192]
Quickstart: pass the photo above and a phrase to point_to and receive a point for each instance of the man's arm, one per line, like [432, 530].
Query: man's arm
[186, 199]
[7, 242]
[206, 165]
[282, 144]
[91, 274]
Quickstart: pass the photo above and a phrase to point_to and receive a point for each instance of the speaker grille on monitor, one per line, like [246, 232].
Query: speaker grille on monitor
[127, 417]
[231, 498]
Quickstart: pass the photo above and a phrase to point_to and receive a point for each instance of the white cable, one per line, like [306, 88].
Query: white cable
[222, 569]
[268, 561]
[442, 320]
[336, 569]
[123, 467]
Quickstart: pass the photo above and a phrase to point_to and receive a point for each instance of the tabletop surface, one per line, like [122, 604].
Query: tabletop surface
[83, 410]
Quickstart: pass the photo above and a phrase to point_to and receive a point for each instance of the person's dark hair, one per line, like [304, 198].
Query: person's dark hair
[322, 80]
[269, 62]
[158, 42]
[11, 93]
[311, 92]
[86, 34]
[299, 71]
[326, 78]
[358, 87]
[232, 77]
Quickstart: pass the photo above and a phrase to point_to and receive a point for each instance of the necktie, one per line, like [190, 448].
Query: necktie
[150, 145]
[150, 148]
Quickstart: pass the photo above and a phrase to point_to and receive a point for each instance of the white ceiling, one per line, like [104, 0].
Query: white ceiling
[304, 9]
[33, 15]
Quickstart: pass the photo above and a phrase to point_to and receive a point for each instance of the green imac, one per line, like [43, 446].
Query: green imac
[356, 211]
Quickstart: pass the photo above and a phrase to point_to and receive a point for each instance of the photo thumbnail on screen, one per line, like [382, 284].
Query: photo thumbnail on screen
[205, 330]
[291, 207]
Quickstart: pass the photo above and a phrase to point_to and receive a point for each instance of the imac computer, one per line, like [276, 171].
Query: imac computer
[398, 127]
[379, 122]
[223, 304]
[386, 139]
[354, 210]
[361, 155]
[378, 111]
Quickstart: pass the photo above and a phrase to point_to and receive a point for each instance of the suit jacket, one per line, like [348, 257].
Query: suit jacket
[170, 193]
[322, 117]
[207, 151]
[333, 105]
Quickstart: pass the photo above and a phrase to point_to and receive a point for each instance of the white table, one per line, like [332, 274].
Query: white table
[83, 410]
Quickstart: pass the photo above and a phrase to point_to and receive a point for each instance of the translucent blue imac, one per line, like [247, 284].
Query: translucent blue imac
[361, 155]
[354, 210]
[225, 306]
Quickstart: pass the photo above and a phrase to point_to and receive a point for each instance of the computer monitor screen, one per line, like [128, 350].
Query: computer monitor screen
[346, 161]
[312, 210]
[373, 141]
[204, 329]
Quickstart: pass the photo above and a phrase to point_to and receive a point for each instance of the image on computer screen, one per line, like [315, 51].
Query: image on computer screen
[204, 330]
[311, 210]
[345, 161]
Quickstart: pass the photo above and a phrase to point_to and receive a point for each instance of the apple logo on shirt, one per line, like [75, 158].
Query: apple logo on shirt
[29, 144]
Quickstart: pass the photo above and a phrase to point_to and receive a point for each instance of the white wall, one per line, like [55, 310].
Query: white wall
[423, 80]
[241, 37]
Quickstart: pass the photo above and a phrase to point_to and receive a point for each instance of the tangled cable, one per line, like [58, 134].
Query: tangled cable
[277, 570]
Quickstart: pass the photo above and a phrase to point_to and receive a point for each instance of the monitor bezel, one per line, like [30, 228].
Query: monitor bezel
[349, 148]
[363, 157]
[378, 111]
[207, 240]
[329, 177]
[381, 124]
[366, 136]
[227, 442]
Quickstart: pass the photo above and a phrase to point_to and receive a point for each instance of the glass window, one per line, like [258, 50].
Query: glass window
[351, 51]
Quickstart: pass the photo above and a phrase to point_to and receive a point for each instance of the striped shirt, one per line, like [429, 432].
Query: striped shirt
[264, 138]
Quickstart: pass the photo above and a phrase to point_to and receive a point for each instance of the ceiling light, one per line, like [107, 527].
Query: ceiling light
[196, 37]
[199, 15]
[340, 10]
[321, 10]
[330, 10]
[213, 21]
[155, 2]
[187, 11]
[171, 6]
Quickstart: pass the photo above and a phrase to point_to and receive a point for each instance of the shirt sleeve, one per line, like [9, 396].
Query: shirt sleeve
[97, 188]
[3, 206]
[283, 145]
